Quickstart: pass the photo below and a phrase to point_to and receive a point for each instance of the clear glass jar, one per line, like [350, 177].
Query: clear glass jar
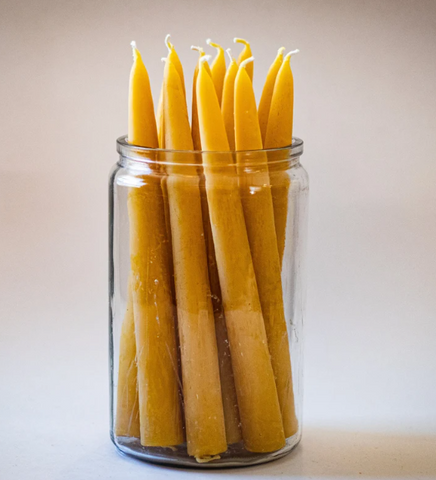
[206, 301]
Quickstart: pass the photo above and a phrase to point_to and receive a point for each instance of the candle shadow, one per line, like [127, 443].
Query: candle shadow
[333, 453]
[321, 453]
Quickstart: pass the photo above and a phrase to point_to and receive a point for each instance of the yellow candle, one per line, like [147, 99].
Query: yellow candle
[259, 218]
[227, 100]
[195, 131]
[230, 404]
[218, 69]
[267, 92]
[204, 417]
[246, 53]
[159, 404]
[142, 124]
[279, 134]
[127, 417]
[259, 408]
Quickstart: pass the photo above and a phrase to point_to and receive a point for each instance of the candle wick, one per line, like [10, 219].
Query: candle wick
[212, 44]
[168, 43]
[229, 53]
[280, 51]
[198, 49]
[205, 58]
[163, 59]
[243, 64]
[288, 56]
[134, 49]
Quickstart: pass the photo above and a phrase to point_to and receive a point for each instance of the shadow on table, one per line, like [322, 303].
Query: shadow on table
[330, 453]
[321, 453]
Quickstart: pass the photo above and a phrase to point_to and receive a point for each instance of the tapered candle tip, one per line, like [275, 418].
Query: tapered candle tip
[243, 64]
[240, 40]
[281, 50]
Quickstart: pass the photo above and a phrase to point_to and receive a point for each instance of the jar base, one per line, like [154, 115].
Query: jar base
[235, 456]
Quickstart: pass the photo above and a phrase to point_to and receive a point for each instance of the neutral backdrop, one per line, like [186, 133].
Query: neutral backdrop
[365, 105]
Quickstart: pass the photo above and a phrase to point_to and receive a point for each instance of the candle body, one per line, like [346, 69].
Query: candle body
[127, 416]
[267, 93]
[228, 103]
[246, 53]
[218, 70]
[279, 134]
[159, 402]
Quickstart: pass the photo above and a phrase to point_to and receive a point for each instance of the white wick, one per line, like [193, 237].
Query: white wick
[205, 58]
[198, 49]
[229, 53]
[163, 59]
[288, 56]
[167, 42]
[281, 50]
[243, 64]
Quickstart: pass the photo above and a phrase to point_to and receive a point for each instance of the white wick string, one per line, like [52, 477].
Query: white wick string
[205, 58]
[229, 53]
[198, 49]
[288, 55]
[167, 42]
[243, 64]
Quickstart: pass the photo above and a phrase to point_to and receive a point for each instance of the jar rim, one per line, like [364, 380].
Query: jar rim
[147, 155]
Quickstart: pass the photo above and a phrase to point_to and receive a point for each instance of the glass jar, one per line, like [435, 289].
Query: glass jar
[206, 302]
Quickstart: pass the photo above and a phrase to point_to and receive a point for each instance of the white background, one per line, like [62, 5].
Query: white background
[365, 86]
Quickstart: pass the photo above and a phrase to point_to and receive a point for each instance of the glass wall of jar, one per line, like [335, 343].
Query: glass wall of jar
[206, 301]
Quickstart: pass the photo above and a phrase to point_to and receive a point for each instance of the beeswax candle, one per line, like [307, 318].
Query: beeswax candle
[218, 69]
[159, 403]
[204, 417]
[195, 131]
[259, 408]
[259, 218]
[127, 416]
[230, 405]
[279, 134]
[246, 53]
[267, 92]
[227, 100]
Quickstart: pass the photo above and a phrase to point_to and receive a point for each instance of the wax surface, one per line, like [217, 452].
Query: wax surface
[127, 416]
[279, 134]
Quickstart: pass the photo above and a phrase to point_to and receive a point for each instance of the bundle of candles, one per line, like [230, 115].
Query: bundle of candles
[201, 242]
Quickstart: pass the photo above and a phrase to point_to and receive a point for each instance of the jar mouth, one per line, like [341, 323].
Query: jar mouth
[163, 156]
